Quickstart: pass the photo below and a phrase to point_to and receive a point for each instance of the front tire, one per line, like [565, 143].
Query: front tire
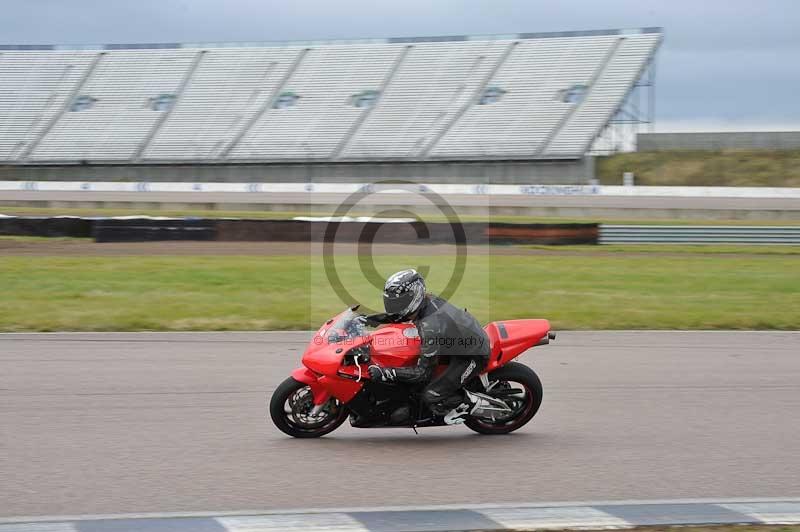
[290, 408]
[527, 380]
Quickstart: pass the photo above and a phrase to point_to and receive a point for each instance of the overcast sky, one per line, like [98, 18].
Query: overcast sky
[724, 64]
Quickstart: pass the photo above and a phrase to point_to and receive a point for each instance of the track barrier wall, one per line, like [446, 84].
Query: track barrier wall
[144, 230]
[230, 230]
[46, 227]
[239, 230]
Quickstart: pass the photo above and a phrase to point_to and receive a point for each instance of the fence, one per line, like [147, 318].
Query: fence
[698, 234]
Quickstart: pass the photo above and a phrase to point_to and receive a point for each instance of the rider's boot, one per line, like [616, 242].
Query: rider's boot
[458, 414]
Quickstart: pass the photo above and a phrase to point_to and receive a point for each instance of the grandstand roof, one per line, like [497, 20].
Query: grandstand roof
[519, 96]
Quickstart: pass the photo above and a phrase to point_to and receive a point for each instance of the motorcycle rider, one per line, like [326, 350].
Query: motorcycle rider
[445, 331]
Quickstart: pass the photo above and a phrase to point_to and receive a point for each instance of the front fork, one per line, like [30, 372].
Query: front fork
[318, 391]
[324, 387]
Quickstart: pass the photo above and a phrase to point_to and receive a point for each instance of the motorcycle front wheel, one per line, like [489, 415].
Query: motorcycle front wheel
[519, 387]
[291, 411]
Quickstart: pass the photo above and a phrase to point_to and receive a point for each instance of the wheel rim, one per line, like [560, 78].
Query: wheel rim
[297, 412]
[521, 402]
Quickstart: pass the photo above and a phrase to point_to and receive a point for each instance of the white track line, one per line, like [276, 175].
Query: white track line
[773, 513]
[295, 522]
[557, 518]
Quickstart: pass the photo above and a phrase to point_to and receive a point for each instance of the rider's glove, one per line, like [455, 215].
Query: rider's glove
[380, 374]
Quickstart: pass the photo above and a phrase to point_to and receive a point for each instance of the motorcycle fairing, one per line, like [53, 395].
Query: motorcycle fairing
[324, 386]
[397, 345]
[510, 338]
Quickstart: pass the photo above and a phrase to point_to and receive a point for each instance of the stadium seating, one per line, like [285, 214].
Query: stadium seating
[34, 87]
[325, 81]
[228, 87]
[523, 96]
[123, 86]
[522, 122]
[433, 81]
[602, 101]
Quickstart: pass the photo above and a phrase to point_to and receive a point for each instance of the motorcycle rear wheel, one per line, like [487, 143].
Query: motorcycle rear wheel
[522, 375]
[290, 406]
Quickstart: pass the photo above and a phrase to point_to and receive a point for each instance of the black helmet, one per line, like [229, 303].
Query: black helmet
[403, 293]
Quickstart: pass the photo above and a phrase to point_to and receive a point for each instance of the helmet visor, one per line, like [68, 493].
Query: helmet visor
[398, 304]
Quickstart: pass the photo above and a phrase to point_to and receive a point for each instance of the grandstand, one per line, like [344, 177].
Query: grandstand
[523, 97]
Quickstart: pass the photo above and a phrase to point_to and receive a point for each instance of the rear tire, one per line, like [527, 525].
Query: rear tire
[286, 422]
[520, 374]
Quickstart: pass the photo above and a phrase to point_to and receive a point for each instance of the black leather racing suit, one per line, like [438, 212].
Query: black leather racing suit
[445, 331]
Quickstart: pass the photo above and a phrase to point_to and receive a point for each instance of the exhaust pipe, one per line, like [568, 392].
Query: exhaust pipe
[546, 339]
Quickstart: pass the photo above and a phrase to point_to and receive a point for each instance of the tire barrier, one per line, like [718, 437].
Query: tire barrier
[240, 230]
[550, 234]
[145, 230]
[345, 232]
[48, 227]
[404, 233]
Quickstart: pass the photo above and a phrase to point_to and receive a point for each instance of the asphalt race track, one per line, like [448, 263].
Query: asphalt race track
[149, 422]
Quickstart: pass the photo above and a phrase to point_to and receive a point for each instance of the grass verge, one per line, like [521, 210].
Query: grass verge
[773, 168]
[586, 291]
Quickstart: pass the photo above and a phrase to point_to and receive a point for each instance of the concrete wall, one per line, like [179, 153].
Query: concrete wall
[514, 172]
[744, 140]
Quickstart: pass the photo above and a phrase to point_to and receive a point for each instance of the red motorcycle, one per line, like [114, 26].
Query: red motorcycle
[334, 382]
